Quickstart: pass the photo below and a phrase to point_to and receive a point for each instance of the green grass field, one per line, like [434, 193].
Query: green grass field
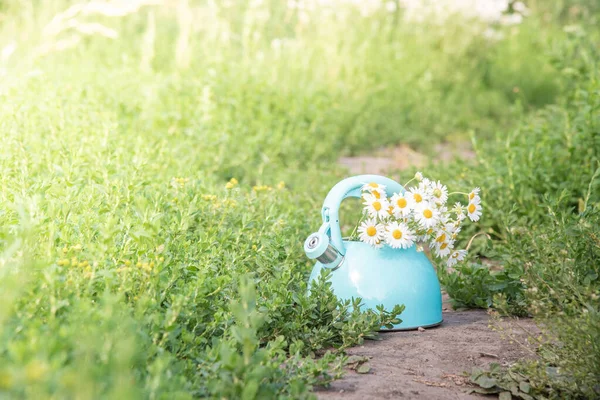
[130, 268]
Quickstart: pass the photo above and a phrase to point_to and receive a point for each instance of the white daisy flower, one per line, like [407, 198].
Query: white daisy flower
[439, 192]
[371, 232]
[378, 195]
[417, 197]
[474, 211]
[451, 227]
[419, 176]
[458, 209]
[425, 185]
[474, 196]
[454, 233]
[440, 237]
[377, 208]
[427, 216]
[398, 235]
[374, 188]
[444, 218]
[444, 249]
[455, 257]
[401, 205]
[422, 234]
[476, 200]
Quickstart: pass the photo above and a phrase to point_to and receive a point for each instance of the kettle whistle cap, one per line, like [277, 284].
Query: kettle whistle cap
[316, 244]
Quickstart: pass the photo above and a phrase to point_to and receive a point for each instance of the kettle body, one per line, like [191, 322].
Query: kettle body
[382, 275]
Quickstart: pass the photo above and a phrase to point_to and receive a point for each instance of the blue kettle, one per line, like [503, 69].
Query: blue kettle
[383, 275]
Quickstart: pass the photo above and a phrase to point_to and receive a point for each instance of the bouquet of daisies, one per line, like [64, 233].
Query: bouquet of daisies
[419, 215]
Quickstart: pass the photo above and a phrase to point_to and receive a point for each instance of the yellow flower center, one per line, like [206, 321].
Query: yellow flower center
[373, 185]
[472, 208]
[402, 202]
[418, 198]
[437, 193]
[397, 234]
[371, 231]
[391, 210]
[443, 245]
[427, 213]
[377, 195]
[377, 205]
[455, 255]
[441, 238]
[471, 195]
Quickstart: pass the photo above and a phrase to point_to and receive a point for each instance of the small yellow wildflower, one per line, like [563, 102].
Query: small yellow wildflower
[281, 185]
[35, 370]
[209, 197]
[230, 203]
[69, 380]
[6, 380]
[179, 182]
[231, 184]
[261, 188]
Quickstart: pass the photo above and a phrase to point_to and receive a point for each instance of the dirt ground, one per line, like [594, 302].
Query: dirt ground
[398, 158]
[430, 364]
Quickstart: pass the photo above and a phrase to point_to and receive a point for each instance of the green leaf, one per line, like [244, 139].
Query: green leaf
[505, 396]
[356, 359]
[486, 382]
[363, 369]
[250, 390]
[524, 387]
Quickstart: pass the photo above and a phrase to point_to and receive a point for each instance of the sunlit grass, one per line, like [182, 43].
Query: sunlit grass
[126, 246]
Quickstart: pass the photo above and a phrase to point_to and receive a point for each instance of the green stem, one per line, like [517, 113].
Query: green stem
[474, 236]
[406, 184]
[356, 227]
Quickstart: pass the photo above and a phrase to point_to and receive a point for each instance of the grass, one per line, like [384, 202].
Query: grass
[129, 269]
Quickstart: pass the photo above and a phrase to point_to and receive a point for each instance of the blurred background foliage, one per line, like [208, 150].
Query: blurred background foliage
[129, 269]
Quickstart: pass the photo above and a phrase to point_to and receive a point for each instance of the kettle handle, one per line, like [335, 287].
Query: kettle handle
[350, 187]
